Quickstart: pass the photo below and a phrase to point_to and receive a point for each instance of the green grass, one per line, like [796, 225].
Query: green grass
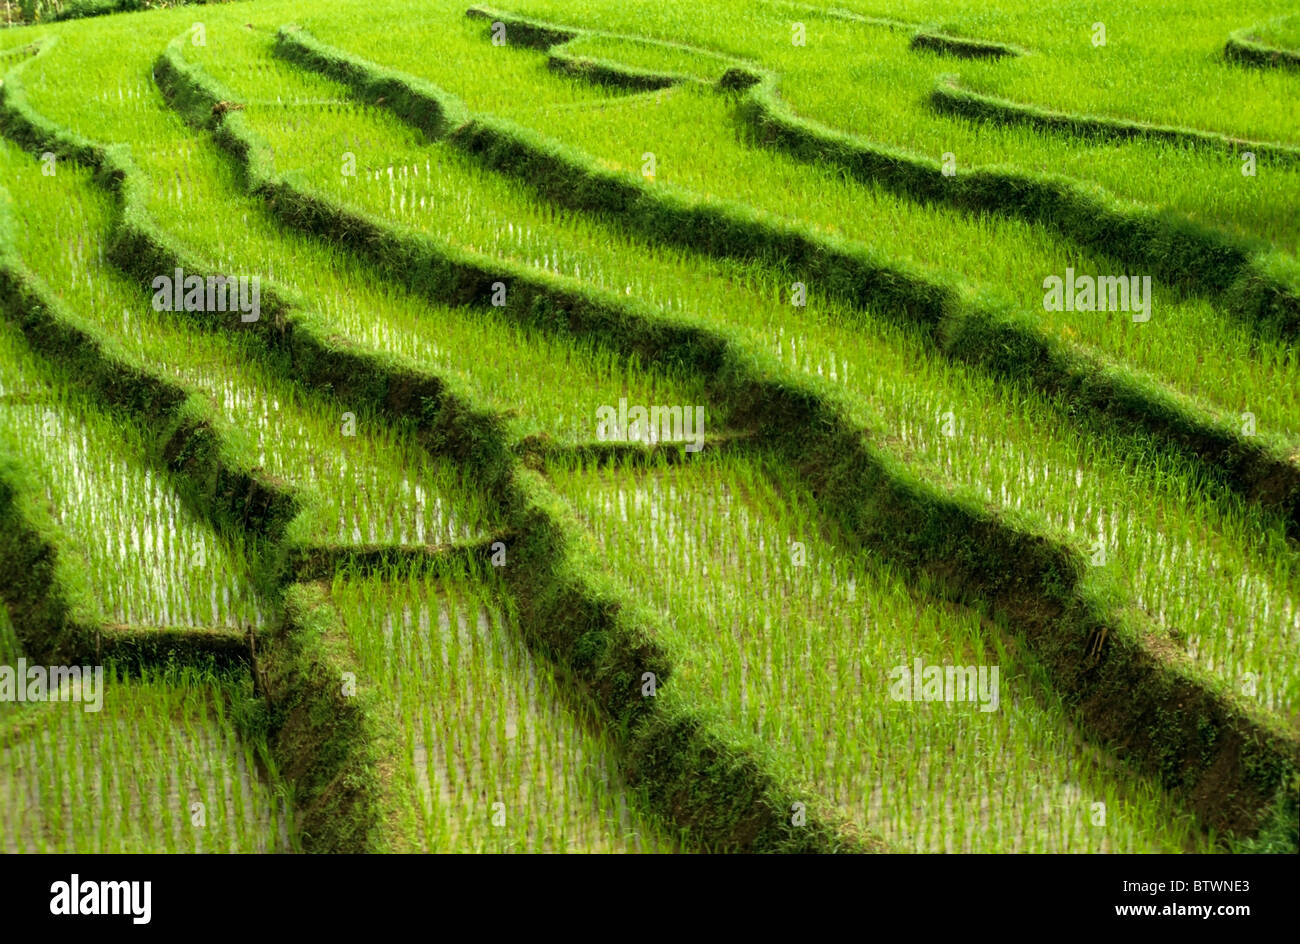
[1234, 613]
[791, 640]
[1281, 33]
[788, 662]
[863, 78]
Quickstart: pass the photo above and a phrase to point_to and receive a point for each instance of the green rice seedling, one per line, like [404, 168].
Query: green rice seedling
[797, 643]
[156, 750]
[150, 560]
[497, 755]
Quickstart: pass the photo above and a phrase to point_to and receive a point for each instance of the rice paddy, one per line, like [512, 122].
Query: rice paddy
[158, 769]
[150, 562]
[794, 642]
[546, 387]
[1012, 452]
[280, 429]
[939, 567]
[1007, 259]
[494, 761]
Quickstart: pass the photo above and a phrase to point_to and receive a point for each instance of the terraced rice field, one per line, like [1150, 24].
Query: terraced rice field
[593, 428]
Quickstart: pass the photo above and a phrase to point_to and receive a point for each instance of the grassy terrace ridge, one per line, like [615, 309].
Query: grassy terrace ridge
[950, 97]
[788, 415]
[744, 810]
[963, 48]
[466, 622]
[1272, 45]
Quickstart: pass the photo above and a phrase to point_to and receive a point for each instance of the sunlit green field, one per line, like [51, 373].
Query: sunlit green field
[633, 396]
